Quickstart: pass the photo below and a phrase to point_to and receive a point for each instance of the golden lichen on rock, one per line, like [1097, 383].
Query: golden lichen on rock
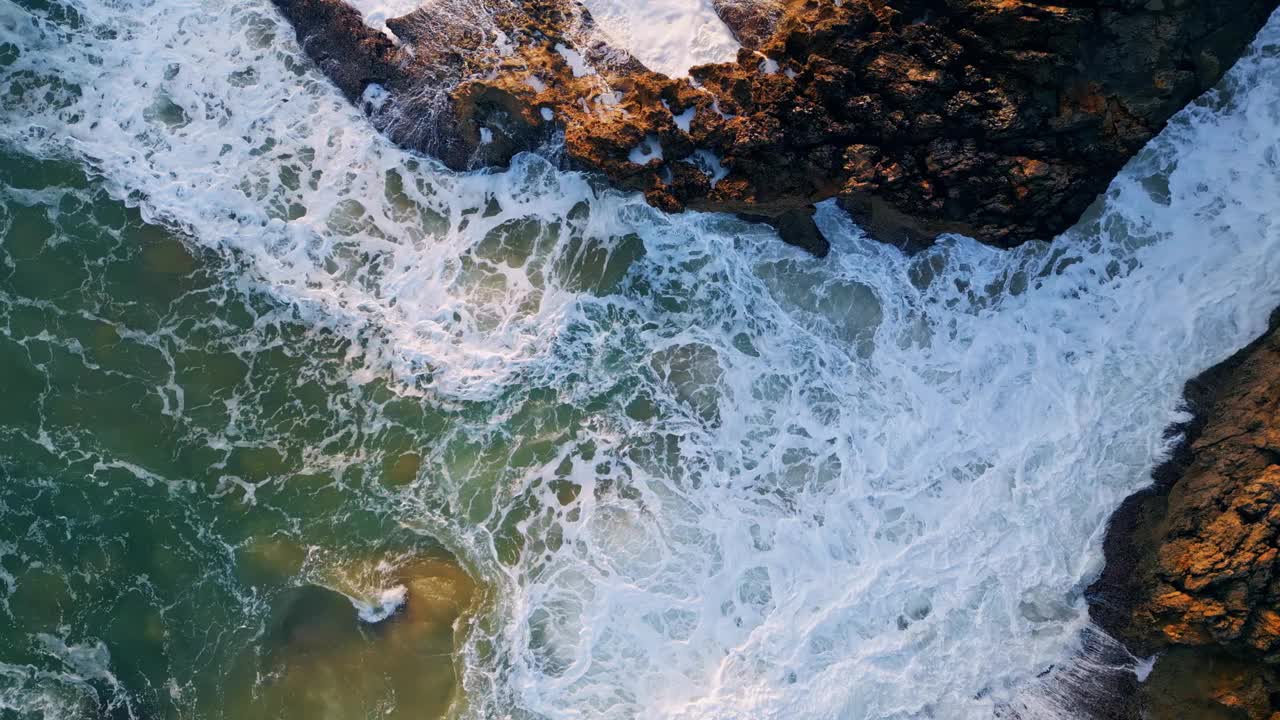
[1192, 563]
[1002, 120]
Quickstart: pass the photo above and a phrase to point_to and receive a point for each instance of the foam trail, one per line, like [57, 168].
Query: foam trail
[377, 12]
[668, 36]
[294, 182]
[870, 487]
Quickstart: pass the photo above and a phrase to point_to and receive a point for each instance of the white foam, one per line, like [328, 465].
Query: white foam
[373, 589]
[1144, 667]
[684, 120]
[26, 692]
[383, 604]
[648, 149]
[375, 96]
[869, 487]
[319, 241]
[668, 36]
[377, 12]
[577, 64]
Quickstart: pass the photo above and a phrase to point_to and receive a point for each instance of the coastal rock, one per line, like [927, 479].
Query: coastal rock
[999, 119]
[1192, 571]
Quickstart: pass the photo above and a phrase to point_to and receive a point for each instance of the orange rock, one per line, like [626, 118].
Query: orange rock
[1022, 112]
[1202, 550]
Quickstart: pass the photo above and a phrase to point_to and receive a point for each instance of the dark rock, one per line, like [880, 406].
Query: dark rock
[335, 37]
[999, 119]
[797, 227]
[751, 21]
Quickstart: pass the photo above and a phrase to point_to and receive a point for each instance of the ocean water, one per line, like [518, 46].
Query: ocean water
[297, 424]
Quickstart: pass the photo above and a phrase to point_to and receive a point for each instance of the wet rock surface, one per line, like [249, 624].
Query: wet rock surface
[1192, 573]
[1000, 119]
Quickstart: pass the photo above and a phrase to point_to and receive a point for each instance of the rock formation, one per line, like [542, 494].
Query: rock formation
[1000, 119]
[1192, 563]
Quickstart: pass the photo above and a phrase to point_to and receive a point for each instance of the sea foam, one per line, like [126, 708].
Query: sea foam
[867, 487]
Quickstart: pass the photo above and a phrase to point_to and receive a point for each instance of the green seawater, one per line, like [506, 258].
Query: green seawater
[193, 490]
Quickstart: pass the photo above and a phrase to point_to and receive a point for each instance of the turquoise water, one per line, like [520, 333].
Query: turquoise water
[296, 424]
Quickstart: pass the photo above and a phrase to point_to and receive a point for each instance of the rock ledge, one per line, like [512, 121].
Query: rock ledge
[999, 119]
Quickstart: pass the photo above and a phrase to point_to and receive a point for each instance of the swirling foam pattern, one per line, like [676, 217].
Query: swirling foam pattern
[705, 476]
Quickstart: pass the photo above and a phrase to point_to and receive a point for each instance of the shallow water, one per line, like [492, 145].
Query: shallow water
[178, 458]
[265, 373]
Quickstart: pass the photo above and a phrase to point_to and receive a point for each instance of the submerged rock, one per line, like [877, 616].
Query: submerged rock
[1192, 568]
[999, 119]
[328, 656]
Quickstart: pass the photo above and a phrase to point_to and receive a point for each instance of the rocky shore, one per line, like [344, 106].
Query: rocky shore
[999, 119]
[1192, 574]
